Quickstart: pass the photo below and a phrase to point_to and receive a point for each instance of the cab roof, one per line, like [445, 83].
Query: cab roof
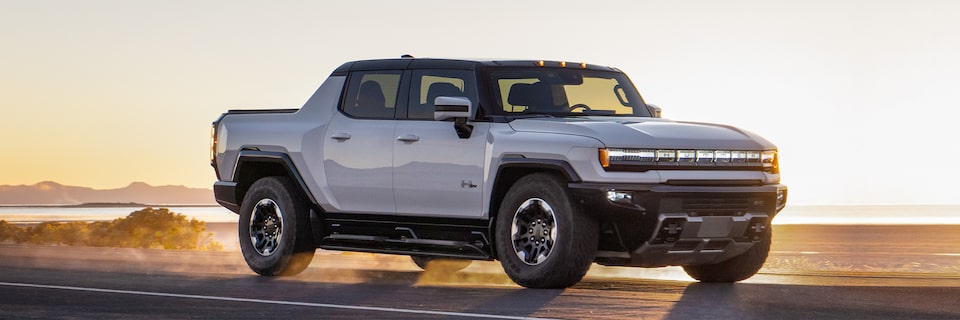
[462, 64]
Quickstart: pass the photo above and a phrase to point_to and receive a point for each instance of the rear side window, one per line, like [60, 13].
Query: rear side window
[372, 94]
[427, 85]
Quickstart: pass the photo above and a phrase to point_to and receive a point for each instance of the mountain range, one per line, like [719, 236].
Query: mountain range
[52, 193]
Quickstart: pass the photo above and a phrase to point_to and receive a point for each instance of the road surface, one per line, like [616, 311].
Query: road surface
[110, 283]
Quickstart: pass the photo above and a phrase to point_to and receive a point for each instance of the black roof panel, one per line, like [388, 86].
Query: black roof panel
[430, 63]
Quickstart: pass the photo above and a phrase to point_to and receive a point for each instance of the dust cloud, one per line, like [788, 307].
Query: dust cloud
[793, 254]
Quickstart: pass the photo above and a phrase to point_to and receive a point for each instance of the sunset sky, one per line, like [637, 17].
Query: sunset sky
[861, 96]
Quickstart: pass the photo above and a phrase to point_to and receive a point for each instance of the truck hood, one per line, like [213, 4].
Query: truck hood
[648, 133]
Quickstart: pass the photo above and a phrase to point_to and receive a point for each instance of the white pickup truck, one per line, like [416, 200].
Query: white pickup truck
[546, 166]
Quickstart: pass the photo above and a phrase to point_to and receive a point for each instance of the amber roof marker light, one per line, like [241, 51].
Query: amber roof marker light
[563, 64]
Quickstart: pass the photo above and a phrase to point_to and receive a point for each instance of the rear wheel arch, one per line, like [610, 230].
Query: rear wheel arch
[274, 228]
[253, 165]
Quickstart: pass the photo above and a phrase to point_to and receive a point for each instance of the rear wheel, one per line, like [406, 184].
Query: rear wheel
[440, 264]
[737, 268]
[542, 239]
[274, 228]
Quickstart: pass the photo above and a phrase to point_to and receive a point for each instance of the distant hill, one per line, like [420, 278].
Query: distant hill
[52, 193]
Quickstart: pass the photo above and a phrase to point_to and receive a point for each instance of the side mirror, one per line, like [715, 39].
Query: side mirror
[655, 110]
[457, 108]
[451, 108]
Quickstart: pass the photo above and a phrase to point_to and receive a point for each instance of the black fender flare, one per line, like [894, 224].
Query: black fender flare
[520, 162]
[535, 163]
[230, 193]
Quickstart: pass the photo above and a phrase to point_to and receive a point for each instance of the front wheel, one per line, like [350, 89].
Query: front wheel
[735, 269]
[274, 228]
[542, 239]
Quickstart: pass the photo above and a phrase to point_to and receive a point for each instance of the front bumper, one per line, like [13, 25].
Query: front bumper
[659, 225]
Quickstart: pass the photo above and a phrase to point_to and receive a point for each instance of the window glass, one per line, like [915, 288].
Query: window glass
[505, 85]
[599, 92]
[372, 94]
[427, 85]
[566, 92]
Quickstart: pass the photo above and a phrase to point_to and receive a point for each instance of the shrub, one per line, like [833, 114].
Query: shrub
[8, 232]
[146, 228]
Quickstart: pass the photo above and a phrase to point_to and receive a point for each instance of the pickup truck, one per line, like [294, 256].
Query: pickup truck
[546, 166]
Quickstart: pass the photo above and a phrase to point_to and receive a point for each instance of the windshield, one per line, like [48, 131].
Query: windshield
[566, 92]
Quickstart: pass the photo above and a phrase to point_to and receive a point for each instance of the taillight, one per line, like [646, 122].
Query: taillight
[213, 144]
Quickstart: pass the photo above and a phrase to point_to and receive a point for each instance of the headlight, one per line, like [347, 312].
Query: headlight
[770, 162]
[624, 159]
[632, 154]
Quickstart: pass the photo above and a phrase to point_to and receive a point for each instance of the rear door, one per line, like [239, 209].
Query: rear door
[436, 173]
[359, 149]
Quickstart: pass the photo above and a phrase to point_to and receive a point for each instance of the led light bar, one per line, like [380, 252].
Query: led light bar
[632, 155]
[686, 155]
[738, 156]
[722, 156]
[705, 155]
[629, 159]
[666, 155]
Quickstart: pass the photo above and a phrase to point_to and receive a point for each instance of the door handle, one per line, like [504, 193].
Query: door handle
[340, 136]
[409, 138]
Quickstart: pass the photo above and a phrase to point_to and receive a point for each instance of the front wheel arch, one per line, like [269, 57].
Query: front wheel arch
[532, 202]
[513, 169]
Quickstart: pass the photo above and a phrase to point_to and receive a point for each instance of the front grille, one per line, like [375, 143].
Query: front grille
[706, 207]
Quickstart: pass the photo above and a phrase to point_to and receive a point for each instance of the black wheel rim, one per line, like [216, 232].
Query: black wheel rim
[534, 231]
[266, 227]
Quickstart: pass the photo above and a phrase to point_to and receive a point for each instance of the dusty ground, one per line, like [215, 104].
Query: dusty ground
[933, 249]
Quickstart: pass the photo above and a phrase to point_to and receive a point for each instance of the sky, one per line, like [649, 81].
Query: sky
[859, 96]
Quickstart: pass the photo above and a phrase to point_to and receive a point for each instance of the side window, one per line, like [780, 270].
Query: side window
[427, 85]
[372, 94]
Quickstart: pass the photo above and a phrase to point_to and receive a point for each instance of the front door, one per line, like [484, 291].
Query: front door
[437, 173]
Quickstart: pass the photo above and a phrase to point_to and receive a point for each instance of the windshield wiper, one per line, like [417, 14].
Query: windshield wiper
[595, 113]
[533, 114]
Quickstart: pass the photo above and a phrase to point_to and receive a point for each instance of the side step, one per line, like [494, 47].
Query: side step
[426, 247]
[451, 238]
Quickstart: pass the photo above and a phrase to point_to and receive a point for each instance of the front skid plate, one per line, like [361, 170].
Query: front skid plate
[680, 239]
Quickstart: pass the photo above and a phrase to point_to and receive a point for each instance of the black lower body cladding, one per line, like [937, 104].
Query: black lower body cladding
[658, 225]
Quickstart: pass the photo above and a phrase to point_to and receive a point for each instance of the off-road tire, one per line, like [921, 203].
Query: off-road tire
[737, 268]
[440, 264]
[290, 251]
[571, 251]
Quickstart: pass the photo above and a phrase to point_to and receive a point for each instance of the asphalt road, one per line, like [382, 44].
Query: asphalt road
[49, 282]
